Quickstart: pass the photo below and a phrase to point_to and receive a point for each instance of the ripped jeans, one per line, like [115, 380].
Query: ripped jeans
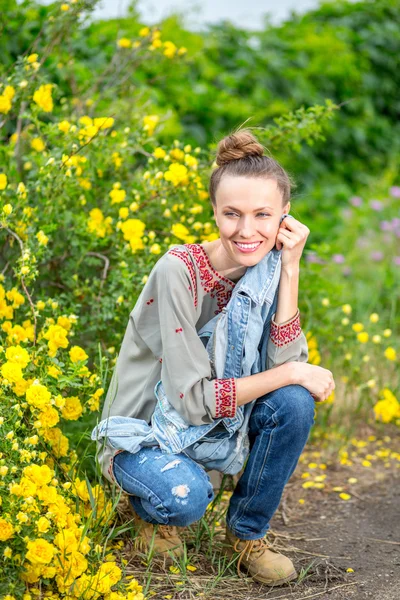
[172, 489]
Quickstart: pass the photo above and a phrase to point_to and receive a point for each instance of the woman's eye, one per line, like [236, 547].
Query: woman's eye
[234, 214]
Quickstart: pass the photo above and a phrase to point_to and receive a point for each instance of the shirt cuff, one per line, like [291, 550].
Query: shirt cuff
[287, 332]
[225, 398]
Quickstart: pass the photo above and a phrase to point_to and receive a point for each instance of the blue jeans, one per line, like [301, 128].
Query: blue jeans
[172, 489]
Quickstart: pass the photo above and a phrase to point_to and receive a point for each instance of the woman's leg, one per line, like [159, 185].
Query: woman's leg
[279, 427]
[167, 489]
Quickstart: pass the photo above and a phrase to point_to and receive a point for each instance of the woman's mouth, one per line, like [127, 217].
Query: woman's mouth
[247, 248]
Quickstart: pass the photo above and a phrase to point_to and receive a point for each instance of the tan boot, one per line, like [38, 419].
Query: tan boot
[164, 540]
[262, 563]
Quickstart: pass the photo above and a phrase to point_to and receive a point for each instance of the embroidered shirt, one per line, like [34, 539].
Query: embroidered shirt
[183, 292]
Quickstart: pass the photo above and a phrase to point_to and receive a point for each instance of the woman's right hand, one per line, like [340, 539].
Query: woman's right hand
[317, 380]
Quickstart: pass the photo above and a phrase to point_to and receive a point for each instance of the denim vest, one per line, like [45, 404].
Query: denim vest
[236, 341]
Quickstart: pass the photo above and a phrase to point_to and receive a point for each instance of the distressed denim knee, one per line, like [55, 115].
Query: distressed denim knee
[170, 489]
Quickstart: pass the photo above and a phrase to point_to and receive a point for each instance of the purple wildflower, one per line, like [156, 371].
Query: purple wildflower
[396, 261]
[376, 256]
[386, 226]
[312, 257]
[356, 201]
[338, 259]
[395, 191]
[376, 205]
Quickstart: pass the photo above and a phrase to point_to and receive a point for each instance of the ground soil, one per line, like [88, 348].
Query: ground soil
[323, 534]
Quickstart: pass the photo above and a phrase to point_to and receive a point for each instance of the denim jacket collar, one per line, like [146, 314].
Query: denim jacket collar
[256, 282]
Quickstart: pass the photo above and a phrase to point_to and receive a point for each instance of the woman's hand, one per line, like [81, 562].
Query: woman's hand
[292, 236]
[317, 380]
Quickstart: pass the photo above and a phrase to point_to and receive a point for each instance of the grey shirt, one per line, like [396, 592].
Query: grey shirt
[183, 292]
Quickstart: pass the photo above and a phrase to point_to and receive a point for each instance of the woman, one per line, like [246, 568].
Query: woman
[188, 286]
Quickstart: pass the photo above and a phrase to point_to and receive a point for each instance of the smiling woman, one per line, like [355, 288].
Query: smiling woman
[171, 412]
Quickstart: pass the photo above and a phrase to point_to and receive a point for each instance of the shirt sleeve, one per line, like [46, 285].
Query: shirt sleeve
[166, 321]
[287, 342]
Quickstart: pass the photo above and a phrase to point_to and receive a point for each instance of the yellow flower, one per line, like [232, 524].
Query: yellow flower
[144, 31]
[64, 126]
[5, 104]
[357, 327]
[49, 417]
[387, 333]
[7, 209]
[177, 174]
[150, 122]
[42, 238]
[374, 317]
[32, 58]
[72, 409]
[123, 212]
[3, 181]
[53, 371]
[159, 153]
[344, 496]
[43, 525]
[117, 196]
[6, 530]
[37, 144]
[346, 308]
[77, 354]
[38, 395]
[18, 355]
[390, 353]
[39, 474]
[57, 441]
[363, 337]
[11, 371]
[155, 249]
[57, 338]
[64, 7]
[40, 552]
[43, 98]
[124, 43]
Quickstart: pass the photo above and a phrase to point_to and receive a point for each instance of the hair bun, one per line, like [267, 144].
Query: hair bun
[238, 145]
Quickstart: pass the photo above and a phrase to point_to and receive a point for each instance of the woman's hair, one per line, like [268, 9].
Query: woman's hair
[241, 155]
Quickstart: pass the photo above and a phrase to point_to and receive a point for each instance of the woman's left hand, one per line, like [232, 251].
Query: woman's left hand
[292, 236]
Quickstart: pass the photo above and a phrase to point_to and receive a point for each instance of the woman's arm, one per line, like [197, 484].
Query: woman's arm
[252, 387]
[288, 294]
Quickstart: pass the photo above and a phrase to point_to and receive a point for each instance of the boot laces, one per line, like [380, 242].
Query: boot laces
[251, 546]
[167, 531]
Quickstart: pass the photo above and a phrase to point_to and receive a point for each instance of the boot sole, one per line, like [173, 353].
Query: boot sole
[268, 582]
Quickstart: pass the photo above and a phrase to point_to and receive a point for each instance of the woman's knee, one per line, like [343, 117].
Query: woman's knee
[292, 405]
[187, 501]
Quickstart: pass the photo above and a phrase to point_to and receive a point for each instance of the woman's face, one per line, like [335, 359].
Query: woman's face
[247, 213]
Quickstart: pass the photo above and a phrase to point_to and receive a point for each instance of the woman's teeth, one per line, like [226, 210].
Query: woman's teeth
[247, 247]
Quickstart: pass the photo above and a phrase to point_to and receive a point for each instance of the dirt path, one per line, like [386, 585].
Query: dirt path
[362, 534]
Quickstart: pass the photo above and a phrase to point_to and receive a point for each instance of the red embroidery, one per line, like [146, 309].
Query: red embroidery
[286, 333]
[160, 359]
[192, 272]
[150, 301]
[178, 330]
[225, 398]
[180, 395]
[212, 282]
